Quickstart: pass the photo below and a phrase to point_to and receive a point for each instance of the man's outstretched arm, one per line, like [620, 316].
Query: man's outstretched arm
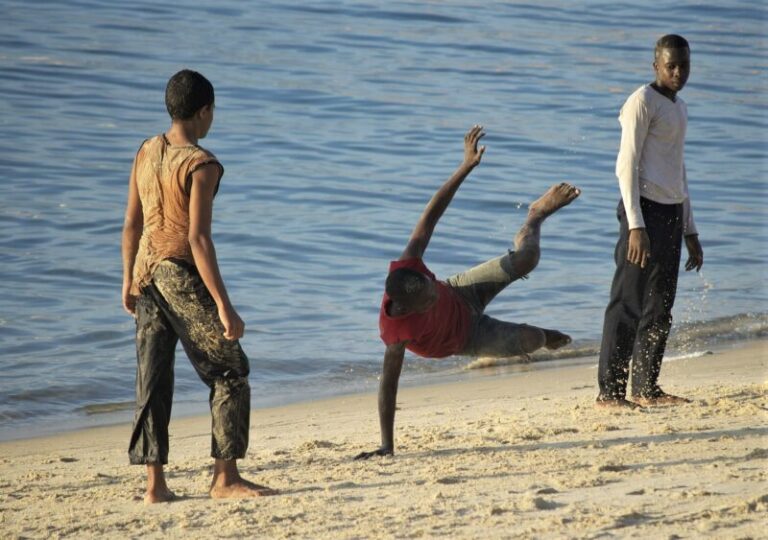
[422, 233]
[390, 376]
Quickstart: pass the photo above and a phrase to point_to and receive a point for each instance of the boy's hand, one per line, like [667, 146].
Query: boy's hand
[639, 249]
[234, 327]
[129, 300]
[473, 154]
[695, 253]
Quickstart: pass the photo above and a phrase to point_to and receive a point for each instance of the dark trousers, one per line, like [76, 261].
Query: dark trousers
[639, 313]
[177, 306]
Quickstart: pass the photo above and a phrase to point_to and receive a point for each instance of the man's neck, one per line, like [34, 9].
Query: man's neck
[664, 91]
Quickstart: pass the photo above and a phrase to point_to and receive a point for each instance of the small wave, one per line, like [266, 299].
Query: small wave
[687, 356]
[686, 340]
[591, 349]
[104, 408]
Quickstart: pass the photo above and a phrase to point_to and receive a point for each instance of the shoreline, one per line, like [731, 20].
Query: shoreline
[493, 457]
[456, 371]
[480, 368]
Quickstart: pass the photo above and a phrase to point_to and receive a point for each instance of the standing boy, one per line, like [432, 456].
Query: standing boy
[172, 285]
[654, 216]
[436, 319]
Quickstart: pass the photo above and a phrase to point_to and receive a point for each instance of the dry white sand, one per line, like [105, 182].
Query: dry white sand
[499, 456]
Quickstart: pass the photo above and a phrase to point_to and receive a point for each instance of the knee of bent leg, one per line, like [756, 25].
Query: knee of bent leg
[525, 260]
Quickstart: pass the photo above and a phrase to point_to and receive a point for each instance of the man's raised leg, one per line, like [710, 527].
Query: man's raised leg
[497, 338]
[527, 250]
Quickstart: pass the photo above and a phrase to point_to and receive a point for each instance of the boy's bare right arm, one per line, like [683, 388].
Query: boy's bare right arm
[422, 233]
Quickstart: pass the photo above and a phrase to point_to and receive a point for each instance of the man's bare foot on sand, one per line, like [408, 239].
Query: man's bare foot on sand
[159, 496]
[555, 339]
[662, 399]
[615, 403]
[241, 489]
[553, 200]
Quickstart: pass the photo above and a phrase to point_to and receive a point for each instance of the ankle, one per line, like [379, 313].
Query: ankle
[225, 473]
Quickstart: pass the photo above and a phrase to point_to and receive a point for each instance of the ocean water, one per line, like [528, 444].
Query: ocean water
[336, 121]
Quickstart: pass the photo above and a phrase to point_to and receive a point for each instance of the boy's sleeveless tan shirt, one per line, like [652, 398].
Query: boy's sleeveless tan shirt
[163, 175]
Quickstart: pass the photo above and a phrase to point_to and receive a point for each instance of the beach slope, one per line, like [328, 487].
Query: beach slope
[503, 456]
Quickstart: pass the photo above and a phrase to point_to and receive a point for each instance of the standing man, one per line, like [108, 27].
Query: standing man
[654, 215]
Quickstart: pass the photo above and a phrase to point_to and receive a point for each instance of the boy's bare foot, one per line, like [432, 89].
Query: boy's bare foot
[159, 496]
[615, 403]
[662, 399]
[241, 489]
[553, 200]
[555, 339]
[228, 484]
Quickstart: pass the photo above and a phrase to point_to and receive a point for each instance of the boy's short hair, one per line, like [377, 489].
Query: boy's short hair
[404, 284]
[186, 93]
[670, 41]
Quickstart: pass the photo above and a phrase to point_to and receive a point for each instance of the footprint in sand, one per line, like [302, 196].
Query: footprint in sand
[613, 468]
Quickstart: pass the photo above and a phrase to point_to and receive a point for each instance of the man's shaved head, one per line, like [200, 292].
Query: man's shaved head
[670, 41]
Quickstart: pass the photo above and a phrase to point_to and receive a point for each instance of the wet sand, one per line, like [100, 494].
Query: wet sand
[502, 456]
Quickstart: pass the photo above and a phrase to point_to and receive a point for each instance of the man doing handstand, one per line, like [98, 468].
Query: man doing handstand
[435, 319]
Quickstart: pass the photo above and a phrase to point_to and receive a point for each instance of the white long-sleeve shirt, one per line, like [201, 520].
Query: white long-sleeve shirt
[651, 162]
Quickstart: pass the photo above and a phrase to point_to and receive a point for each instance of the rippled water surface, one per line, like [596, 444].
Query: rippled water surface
[335, 123]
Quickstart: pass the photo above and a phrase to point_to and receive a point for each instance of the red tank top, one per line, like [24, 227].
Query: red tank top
[437, 333]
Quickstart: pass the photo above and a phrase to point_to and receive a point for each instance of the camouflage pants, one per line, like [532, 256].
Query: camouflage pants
[177, 306]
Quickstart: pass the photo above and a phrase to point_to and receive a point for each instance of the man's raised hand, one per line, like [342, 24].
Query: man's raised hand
[473, 154]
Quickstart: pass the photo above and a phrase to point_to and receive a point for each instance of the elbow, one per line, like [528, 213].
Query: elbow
[198, 240]
[133, 225]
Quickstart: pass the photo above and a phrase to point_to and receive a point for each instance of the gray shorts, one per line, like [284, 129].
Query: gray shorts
[478, 286]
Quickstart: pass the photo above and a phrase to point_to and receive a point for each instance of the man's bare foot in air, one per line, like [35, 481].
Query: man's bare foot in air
[555, 339]
[242, 489]
[662, 399]
[553, 200]
[615, 403]
[159, 496]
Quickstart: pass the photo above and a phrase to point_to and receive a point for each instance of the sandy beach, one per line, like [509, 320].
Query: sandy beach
[496, 456]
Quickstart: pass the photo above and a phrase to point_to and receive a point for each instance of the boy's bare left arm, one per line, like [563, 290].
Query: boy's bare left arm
[422, 233]
[204, 182]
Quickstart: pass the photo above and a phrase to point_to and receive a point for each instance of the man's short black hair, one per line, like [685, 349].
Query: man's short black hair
[670, 41]
[404, 285]
[186, 93]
